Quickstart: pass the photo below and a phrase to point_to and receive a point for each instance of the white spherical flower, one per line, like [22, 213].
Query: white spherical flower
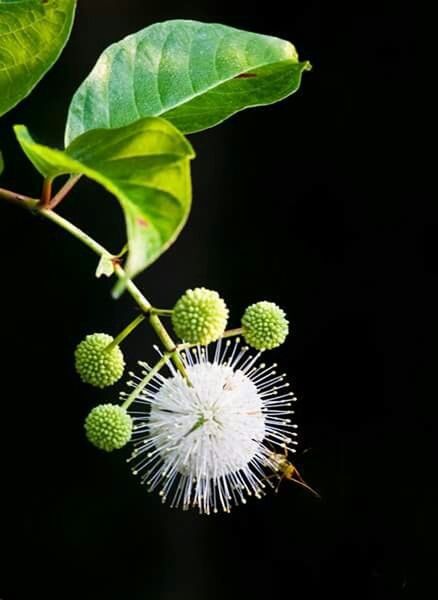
[209, 445]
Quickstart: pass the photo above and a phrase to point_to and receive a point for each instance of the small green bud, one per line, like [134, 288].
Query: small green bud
[200, 316]
[97, 366]
[264, 325]
[108, 427]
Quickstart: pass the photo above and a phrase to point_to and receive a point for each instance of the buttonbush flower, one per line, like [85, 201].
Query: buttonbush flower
[200, 316]
[264, 325]
[95, 364]
[108, 427]
[208, 445]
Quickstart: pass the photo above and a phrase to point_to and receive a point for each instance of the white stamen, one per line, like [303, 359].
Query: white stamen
[205, 445]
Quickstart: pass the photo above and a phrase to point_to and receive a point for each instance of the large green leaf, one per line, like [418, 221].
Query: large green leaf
[32, 36]
[146, 165]
[193, 74]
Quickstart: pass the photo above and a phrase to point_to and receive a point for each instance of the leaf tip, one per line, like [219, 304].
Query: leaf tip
[21, 132]
[119, 288]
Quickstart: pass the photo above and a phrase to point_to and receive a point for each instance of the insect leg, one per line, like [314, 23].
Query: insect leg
[300, 481]
[279, 483]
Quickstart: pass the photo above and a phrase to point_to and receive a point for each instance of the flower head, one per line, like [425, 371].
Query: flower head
[97, 365]
[264, 325]
[200, 316]
[108, 427]
[206, 445]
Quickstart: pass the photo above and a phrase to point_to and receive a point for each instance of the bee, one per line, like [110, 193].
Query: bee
[284, 469]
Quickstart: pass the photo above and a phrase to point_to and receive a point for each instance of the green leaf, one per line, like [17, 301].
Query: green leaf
[193, 74]
[33, 34]
[146, 165]
[2, 163]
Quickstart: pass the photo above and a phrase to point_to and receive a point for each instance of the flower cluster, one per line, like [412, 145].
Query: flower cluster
[207, 435]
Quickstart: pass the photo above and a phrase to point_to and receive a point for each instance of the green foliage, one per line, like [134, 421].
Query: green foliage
[146, 165]
[193, 74]
[33, 34]
[2, 164]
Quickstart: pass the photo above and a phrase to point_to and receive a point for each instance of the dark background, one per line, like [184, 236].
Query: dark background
[306, 203]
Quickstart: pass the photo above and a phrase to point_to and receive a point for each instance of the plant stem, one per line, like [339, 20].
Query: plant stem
[14, 198]
[123, 251]
[124, 334]
[162, 312]
[169, 345]
[232, 332]
[133, 290]
[135, 393]
[59, 196]
[46, 193]
[75, 232]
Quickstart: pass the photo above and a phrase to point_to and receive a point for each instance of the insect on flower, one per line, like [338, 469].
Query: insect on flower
[205, 446]
[284, 469]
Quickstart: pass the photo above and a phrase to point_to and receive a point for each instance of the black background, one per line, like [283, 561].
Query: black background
[306, 203]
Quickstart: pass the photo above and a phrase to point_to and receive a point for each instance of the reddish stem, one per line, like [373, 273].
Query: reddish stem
[59, 197]
[46, 194]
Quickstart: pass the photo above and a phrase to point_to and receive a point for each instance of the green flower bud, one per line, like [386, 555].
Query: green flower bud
[97, 366]
[264, 325]
[200, 316]
[108, 427]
